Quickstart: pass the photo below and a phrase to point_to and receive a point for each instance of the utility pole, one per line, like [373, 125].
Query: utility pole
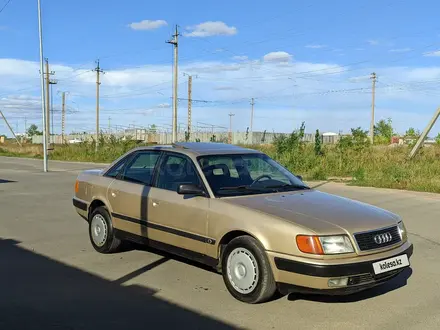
[63, 115]
[48, 83]
[175, 43]
[230, 127]
[189, 105]
[43, 110]
[98, 71]
[109, 121]
[10, 128]
[25, 125]
[252, 116]
[52, 82]
[425, 133]
[373, 78]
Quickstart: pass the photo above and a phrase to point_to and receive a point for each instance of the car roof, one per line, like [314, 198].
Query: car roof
[202, 148]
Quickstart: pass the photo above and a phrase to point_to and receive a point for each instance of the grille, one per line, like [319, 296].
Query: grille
[366, 240]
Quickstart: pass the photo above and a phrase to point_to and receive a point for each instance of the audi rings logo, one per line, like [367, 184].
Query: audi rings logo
[383, 238]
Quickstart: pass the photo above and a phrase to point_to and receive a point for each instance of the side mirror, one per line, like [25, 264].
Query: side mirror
[300, 177]
[190, 189]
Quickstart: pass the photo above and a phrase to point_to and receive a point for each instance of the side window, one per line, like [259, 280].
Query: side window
[116, 169]
[141, 167]
[176, 170]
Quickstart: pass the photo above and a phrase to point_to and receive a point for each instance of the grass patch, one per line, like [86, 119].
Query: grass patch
[374, 166]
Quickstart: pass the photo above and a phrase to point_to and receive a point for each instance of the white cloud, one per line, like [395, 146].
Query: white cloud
[314, 46]
[373, 42]
[327, 96]
[148, 24]
[400, 50]
[433, 53]
[277, 57]
[240, 58]
[210, 28]
[163, 105]
[225, 88]
[359, 49]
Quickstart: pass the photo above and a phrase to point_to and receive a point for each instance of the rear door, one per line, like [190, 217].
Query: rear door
[128, 194]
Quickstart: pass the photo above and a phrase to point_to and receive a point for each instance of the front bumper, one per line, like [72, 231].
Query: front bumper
[295, 276]
[81, 207]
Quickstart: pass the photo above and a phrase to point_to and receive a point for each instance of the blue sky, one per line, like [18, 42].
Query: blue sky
[301, 61]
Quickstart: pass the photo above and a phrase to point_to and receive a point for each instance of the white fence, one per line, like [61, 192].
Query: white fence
[166, 138]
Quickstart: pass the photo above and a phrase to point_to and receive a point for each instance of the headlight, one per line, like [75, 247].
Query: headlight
[324, 244]
[336, 244]
[402, 231]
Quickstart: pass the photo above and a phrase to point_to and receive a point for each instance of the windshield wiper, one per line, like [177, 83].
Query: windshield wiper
[288, 186]
[243, 187]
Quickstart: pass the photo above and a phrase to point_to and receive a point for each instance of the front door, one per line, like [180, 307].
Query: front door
[128, 194]
[182, 219]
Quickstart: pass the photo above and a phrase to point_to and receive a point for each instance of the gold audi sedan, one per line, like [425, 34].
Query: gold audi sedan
[245, 215]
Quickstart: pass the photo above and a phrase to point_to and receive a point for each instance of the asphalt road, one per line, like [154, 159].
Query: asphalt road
[51, 278]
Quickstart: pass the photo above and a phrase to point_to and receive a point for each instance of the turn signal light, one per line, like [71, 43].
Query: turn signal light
[309, 244]
[76, 186]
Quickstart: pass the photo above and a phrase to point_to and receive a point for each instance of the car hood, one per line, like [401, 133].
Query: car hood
[320, 212]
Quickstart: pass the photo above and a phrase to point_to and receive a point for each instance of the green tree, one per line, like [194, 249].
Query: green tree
[357, 141]
[383, 131]
[411, 132]
[33, 130]
[318, 143]
[292, 142]
[360, 138]
[437, 138]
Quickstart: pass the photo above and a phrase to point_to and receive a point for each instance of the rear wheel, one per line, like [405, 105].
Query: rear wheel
[101, 231]
[246, 271]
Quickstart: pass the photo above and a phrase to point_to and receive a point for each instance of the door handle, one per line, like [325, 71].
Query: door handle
[155, 204]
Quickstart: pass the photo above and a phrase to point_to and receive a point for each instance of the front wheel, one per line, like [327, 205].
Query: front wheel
[101, 231]
[246, 271]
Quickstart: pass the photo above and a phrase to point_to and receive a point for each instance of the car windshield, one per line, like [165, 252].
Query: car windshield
[245, 174]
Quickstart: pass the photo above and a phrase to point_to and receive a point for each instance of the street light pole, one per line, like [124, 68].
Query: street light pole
[43, 110]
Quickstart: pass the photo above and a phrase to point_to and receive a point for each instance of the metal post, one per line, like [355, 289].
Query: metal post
[43, 110]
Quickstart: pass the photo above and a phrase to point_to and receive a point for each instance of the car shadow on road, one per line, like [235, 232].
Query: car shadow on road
[175, 257]
[40, 293]
[6, 181]
[399, 281]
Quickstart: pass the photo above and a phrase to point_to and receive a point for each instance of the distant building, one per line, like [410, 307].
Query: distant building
[330, 134]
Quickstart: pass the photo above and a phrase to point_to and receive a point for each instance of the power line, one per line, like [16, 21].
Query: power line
[5, 5]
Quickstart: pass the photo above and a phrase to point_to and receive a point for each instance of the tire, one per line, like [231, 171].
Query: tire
[246, 271]
[101, 231]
